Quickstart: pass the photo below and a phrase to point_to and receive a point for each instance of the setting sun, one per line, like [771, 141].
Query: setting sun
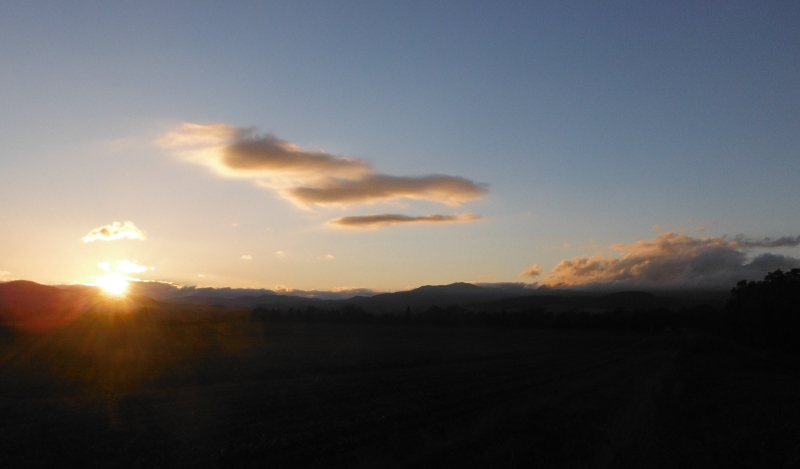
[114, 284]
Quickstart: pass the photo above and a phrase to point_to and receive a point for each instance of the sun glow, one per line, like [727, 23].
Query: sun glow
[114, 284]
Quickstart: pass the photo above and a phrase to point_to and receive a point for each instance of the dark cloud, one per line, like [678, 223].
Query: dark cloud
[783, 241]
[450, 190]
[770, 262]
[251, 152]
[373, 221]
[672, 260]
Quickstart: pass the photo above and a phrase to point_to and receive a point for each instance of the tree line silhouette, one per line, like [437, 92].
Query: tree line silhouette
[766, 313]
[762, 313]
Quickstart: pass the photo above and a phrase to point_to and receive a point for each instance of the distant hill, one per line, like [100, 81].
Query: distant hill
[425, 296]
[32, 306]
[431, 295]
[268, 300]
[630, 300]
[478, 298]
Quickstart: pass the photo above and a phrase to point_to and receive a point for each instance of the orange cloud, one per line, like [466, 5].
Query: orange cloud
[307, 177]
[115, 231]
[674, 259]
[532, 272]
[376, 221]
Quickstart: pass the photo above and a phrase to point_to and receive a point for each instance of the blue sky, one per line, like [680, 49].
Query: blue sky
[591, 124]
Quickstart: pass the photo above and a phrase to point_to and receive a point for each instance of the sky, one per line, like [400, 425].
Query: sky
[388, 145]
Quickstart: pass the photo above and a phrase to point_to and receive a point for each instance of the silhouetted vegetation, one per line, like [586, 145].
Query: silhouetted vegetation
[701, 317]
[767, 313]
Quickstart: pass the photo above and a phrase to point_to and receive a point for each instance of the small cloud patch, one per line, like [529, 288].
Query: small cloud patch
[124, 266]
[114, 231]
[532, 272]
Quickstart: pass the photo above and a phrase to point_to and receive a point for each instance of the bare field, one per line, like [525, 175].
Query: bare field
[134, 391]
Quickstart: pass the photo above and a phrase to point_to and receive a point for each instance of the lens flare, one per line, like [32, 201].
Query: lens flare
[113, 284]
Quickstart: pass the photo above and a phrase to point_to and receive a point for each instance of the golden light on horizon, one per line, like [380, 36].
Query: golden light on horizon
[113, 284]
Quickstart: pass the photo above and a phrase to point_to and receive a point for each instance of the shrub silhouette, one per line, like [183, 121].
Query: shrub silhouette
[766, 313]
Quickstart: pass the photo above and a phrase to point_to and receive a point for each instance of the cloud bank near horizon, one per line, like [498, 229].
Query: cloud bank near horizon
[675, 260]
[167, 291]
[376, 221]
[115, 231]
[307, 177]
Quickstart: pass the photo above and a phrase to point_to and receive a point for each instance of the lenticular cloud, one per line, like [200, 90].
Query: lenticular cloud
[374, 221]
[308, 177]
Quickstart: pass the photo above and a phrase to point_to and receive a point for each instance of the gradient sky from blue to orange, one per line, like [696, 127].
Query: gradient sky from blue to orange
[590, 123]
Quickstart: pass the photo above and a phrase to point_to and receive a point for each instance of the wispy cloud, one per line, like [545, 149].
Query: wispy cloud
[307, 177]
[247, 257]
[280, 253]
[376, 221]
[114, 231]
[782, 242]
[703, 228]
[124, 266]
[673, 259]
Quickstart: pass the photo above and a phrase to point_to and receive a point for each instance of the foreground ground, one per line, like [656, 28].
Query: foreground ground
[137, 391]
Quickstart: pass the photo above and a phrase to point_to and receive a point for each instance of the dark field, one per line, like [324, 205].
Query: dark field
[138, 391]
